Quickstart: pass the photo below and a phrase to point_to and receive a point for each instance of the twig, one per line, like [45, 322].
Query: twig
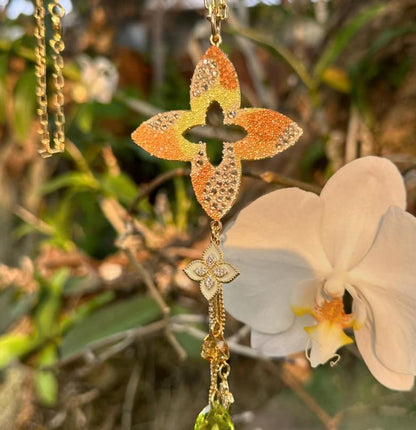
[34, 221]
[254, 67]
[128, 337]
[157, 182]
[78, 157]
[329, 422]
[131, 391]
[154, 292]
[204, 131]
[147, 279]
[269, 177]
[200, 335]
[3, 11]
[277, 48]
[240, 334]
[274, 178]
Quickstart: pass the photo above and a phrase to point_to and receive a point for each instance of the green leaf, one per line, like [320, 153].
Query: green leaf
[46, 316]
[278, 50]
[13, 346]
[24, 104]
[120, 186]
[85, 309]
[76, 180]
[45, 380]
[11, 309]
[113, 319]
[46, 387]
[344, 36]
[79, 285]
[85, 117]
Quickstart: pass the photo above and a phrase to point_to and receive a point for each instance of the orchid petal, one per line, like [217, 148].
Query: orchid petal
[387, 377]
[278, 249]
[386, 278]
[304, 296]
[285, 343]
[354, 200]
[326, 338]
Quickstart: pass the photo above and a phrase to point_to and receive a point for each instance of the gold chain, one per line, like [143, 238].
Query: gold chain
[217, 12]
[57, 12]
[214, 347]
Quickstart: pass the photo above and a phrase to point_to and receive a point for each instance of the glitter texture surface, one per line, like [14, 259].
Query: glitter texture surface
[268, 133]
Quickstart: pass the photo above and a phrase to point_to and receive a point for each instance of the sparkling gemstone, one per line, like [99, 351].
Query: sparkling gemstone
[214, 417]
[209, 282]
[220, 272]
[210, 260]
[201, 271]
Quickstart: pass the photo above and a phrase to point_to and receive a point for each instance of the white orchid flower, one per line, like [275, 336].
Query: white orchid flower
[99, 79]
[299, 254]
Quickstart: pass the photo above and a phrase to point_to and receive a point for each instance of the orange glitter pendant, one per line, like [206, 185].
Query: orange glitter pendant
[268, 133]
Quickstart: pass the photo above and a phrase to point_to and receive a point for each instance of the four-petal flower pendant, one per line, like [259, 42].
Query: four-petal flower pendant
[268, 133]
[211, 271]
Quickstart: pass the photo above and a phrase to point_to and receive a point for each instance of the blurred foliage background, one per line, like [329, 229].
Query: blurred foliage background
[99, 327]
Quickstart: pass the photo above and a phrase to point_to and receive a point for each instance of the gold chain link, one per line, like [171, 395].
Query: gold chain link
[215, 348]
[57, 12]
[217, 12]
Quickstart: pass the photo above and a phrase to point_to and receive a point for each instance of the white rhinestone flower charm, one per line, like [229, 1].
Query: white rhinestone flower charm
[211, 271]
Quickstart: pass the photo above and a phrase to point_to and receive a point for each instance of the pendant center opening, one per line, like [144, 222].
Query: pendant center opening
[215, 133]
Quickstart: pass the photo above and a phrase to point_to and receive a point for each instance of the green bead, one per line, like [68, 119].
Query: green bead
[214, 417]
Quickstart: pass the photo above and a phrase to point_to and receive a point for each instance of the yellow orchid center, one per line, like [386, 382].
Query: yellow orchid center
[327, 336]
[333, 312]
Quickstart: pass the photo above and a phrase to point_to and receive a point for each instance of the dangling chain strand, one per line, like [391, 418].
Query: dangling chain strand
[217, 12]
[215, 347]
[57, 45]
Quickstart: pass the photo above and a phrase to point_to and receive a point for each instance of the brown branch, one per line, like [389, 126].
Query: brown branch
[154, 292]
[268, 177]
[330, 423]
[125, 337]
[156, 183]
[131, 390]
[274, 178]
[34, 221]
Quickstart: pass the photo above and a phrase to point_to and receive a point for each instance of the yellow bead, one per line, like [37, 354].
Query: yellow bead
[214, 417]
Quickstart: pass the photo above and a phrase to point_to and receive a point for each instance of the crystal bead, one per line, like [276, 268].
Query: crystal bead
[214, 348]
[214, 417]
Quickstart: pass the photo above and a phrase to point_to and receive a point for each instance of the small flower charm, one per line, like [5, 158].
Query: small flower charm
[211, 271]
